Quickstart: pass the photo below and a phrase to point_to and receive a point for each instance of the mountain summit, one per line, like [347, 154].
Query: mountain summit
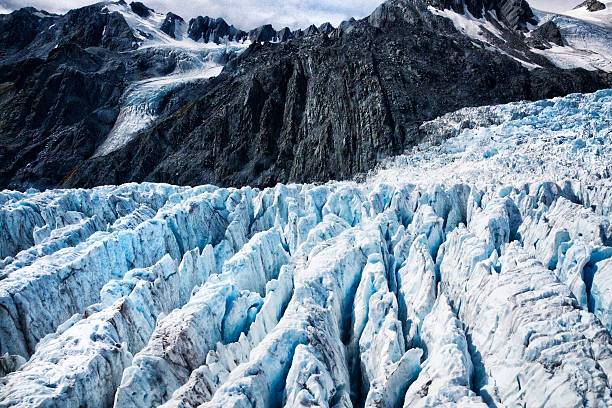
[515, 14]
[591, 5]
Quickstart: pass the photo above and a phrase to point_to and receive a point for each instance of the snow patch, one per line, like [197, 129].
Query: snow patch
[469, 25]
[588, 45]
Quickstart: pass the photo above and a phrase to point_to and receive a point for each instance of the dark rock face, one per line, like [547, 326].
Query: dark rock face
[265, 33]
[312, 30]
[198, 28]
[516, 14]
[170, 23]
[140, 9]
[326, 28]
[347, 26]
[19, 28]
[545, 35]
[60, 89]
[207, 29]
[285, 34]
[328, 107]
[592, 5]
[29, 33]
[309, 32]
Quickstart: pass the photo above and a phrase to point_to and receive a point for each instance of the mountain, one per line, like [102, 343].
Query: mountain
[172, 25]
[213, 30]
[104, 95]
[594, 12]
[329, 107]
[591, 5]
[514, 14]
[586, 44]
[474, 271]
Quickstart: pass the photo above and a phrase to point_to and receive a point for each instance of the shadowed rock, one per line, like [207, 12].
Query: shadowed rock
[170, 24]
[545, 35]
[264, 33]
[140, 9]
[207, 29]
[591, 5]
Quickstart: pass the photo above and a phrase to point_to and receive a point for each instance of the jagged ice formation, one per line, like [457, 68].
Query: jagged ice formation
[473, 271]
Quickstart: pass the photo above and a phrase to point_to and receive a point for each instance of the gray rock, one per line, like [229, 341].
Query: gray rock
[264, 33]
[545, 35]
[312, 30]
[140, 9]
[10, 363]
[285, 34]
[326, 28]
[170, 23]
[207, 29]
[592, 5]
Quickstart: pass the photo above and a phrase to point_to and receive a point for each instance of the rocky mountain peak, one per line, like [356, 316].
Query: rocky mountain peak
[285, 34]
[515, 14]
[19, 28]
[140, 9]
[263, 33]
[591, 5]
[326, 28]
[545, 36]
[207, 29]
[170, 24]
[312, 30]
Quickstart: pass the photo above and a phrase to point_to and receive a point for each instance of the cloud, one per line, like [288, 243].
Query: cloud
[244, 14]
[555, 5]
[247, 14]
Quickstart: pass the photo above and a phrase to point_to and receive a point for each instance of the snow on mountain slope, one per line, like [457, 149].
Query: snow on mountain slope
[141, 102]
[146, 28]
[195, 61]
[474, 271]
[467, 24]
[588, 39]
[480, 29]
[600, 17]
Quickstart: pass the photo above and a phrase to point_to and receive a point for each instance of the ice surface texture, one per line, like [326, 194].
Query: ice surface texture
[473, 272]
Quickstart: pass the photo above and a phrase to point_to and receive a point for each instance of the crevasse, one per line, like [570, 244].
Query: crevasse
[471, 272]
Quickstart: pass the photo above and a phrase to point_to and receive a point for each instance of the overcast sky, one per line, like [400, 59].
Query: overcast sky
[246, 14]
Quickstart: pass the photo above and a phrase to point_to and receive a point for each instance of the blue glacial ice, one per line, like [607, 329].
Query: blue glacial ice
[447, 278]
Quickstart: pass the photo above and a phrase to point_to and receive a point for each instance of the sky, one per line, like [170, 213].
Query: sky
[247, 14]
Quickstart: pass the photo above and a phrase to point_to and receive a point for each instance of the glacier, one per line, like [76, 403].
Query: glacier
[143, 101]
[587, 39]
[473, 271]
[193, 62]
